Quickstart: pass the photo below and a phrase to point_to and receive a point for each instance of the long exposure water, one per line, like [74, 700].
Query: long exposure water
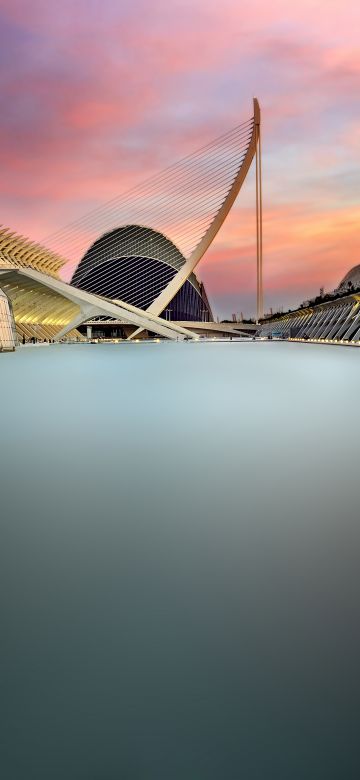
[180, 576]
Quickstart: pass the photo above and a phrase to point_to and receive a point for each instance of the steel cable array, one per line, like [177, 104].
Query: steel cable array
[181, 202]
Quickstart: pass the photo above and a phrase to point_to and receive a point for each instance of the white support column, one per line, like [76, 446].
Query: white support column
[85, 313]
[259, 229]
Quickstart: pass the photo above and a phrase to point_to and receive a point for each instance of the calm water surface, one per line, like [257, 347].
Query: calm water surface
[180, 540]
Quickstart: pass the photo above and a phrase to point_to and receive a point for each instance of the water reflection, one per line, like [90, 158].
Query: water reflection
[180, 537]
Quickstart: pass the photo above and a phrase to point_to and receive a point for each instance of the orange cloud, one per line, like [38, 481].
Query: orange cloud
[96, 97]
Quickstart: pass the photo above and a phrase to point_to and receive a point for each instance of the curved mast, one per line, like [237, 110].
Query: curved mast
[253, 149]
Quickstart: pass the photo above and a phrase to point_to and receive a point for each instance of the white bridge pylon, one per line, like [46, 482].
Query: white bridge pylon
[253, 150]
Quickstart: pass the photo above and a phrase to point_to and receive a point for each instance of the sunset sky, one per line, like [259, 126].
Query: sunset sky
[97, 95]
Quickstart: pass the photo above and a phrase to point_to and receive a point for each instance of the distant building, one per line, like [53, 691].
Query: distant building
[351, 280]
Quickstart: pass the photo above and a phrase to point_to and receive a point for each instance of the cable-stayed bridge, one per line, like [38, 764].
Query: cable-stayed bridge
[166, 223]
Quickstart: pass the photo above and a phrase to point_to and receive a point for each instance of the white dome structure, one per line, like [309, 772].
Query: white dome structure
[352, 278]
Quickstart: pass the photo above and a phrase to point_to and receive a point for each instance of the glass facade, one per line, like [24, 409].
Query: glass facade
[148, 277]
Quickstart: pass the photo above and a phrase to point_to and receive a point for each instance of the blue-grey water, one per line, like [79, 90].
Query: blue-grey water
[180, 547]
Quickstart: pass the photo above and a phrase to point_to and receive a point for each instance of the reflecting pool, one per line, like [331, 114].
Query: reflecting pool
[180, 578]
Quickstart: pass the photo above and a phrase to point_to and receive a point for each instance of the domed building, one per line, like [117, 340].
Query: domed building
[134, 263]
[351, 279]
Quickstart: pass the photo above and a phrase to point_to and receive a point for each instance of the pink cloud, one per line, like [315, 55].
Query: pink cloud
[99, 96]
[302, 252]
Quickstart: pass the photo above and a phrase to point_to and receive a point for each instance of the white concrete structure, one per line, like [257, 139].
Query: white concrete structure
[7, 325]
[84, 304]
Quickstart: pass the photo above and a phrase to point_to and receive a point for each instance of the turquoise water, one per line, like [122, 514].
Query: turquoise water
[180, 562]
